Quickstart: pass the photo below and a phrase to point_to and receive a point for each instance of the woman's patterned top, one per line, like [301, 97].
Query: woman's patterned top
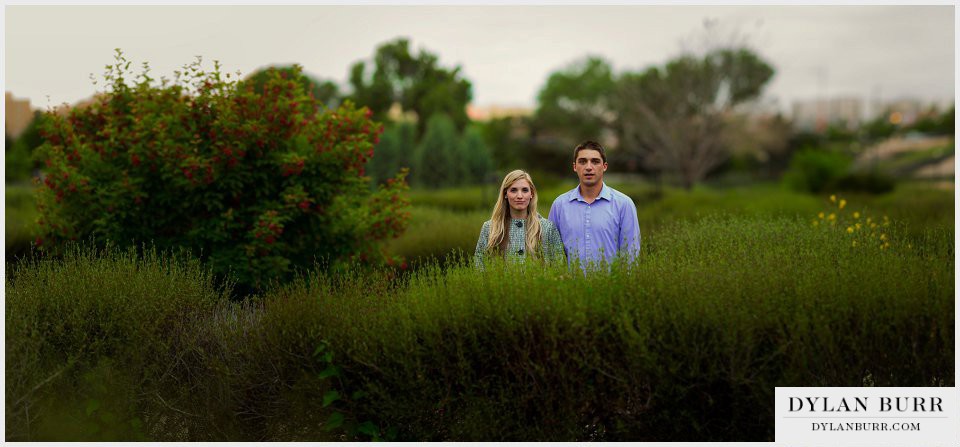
[550, 241]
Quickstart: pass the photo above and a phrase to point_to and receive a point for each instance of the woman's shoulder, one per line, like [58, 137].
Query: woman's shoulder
[545, 223]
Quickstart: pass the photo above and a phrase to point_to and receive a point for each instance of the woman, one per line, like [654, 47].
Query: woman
[515, 230]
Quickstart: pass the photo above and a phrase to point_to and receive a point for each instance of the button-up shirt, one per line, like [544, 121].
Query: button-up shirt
[598, 231]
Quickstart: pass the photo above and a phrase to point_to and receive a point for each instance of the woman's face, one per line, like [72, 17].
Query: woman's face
[519, 194]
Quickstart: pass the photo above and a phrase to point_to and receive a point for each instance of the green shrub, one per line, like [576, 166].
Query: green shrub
[97, 316]
[687, 345]
[437, 159]
[20, 220]
[258, 182]
[437, 234]
[19, 163]
[873, 182]
[393, 152]
[816, 170]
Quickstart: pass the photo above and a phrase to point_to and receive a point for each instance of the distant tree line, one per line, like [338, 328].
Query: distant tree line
[680, 122]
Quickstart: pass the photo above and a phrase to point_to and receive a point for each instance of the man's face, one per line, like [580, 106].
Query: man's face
[589, 167]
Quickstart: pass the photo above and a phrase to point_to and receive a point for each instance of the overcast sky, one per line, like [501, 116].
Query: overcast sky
[507, 52]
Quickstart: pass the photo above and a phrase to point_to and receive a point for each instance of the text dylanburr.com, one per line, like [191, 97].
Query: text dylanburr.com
[851, 416]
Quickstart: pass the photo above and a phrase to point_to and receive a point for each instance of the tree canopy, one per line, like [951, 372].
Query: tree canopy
[415, 81]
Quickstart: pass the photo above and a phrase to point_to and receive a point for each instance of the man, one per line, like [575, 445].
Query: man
[597, 223]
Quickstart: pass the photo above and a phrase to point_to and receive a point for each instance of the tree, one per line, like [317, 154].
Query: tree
[256, 182]
[673, 117]
[416, 82]
[576, 102]
[326, 92]
[476, 155]
[437, 161]
[393, 152]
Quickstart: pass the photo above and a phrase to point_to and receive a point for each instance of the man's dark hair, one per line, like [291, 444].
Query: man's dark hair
[590, 145]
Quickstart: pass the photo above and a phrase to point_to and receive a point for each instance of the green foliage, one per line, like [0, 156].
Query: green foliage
[416, 82]
[326, 93]
[476, 155]
[874, 182]
[20, 220]
[258, 183]
[394, 151]
[437, 160]
[878, 128]
[507, 148]
[18, 163]
[816, 170]
[673, 116]
[686, 345]
[576, 102]
[436, 234]
[88, 336]
[20, 159]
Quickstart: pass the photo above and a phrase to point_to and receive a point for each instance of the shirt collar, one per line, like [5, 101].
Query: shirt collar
[604, 194]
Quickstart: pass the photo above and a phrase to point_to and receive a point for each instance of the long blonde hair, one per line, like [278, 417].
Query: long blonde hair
[500, 220]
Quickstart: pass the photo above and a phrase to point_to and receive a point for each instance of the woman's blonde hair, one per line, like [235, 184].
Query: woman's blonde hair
[500, 220]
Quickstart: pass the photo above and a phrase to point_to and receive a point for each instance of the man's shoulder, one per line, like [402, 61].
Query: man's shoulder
[566, 196]
[619, 197]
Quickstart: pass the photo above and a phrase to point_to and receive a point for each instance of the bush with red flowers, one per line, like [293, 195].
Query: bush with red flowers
[257, 182]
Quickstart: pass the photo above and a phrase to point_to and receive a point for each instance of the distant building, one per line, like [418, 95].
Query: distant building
[817, 114]
[487, 113]
[19, 115]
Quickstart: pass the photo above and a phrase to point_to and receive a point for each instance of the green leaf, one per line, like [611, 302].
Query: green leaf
[334, 421]
[319, 350]
[369, 429]
[330, 396]
[331, 371]
[358, 395]
[92, 405]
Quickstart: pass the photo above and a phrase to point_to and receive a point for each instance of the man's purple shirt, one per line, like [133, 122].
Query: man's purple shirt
[598, 231]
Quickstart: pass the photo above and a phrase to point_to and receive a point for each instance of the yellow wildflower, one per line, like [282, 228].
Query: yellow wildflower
[849, 229]
[832, 216]
[856, 214]
[883, 237]
[873, 225]
[833, 198]
[816, 222]
[843, 203]
[858, 225]
[854, 243]
[885, 245]
[820, 215]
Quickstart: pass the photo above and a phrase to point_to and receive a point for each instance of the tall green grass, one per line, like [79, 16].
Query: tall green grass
[91, 337]
[687, 345]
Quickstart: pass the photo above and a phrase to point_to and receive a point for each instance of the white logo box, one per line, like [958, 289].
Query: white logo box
[867, 416]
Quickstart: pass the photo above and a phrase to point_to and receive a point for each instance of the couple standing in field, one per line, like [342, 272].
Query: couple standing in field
[592, 223]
